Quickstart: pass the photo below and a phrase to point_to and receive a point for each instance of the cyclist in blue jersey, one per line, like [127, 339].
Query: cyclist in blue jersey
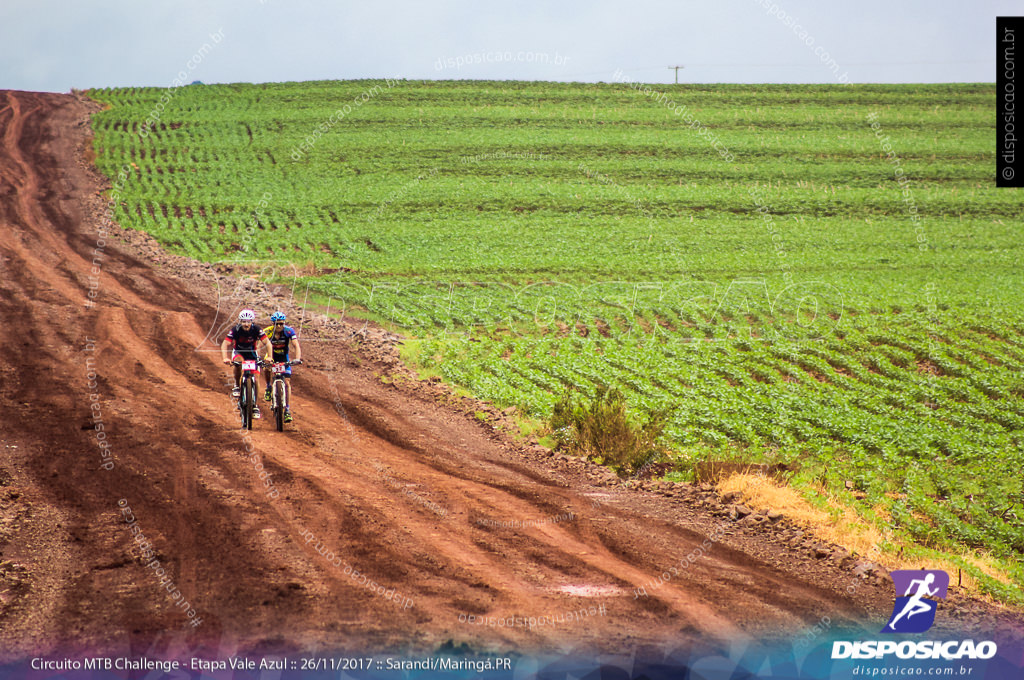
[282, 339]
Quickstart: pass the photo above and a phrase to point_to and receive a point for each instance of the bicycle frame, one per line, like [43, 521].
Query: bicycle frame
[279, 393]
[247, 393]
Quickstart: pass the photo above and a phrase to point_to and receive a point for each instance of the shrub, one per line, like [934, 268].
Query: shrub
[604, 431]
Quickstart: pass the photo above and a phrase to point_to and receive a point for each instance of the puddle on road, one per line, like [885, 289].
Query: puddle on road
[584, 590]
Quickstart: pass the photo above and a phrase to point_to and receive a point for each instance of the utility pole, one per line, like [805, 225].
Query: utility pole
[677, 72]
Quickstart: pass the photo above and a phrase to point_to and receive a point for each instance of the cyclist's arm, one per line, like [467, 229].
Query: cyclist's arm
[298, 349]
[224, 347]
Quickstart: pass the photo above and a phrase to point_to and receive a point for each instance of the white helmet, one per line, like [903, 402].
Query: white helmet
[247, 315]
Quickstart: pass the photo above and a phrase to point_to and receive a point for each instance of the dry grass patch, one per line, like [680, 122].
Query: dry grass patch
[842, 526]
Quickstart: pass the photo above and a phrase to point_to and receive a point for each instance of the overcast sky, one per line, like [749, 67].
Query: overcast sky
[54, 45]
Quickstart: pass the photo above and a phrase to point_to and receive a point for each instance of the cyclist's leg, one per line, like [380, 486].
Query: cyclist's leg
[288, 384]
[287, 399]
[255, 386]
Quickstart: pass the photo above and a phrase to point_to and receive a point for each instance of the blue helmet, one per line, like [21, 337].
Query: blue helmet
[277, 316]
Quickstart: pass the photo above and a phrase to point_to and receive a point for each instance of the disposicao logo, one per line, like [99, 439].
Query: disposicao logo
[912, 613]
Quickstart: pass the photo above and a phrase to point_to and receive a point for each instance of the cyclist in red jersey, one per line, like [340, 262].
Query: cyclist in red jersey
[246, 339]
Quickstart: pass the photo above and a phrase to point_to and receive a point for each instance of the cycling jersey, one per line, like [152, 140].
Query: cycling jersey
[246, 340]
[280, 343]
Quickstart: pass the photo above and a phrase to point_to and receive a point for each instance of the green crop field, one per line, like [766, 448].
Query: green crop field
[819, 275]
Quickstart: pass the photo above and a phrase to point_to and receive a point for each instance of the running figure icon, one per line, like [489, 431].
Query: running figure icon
[916, 586]
[915, 604]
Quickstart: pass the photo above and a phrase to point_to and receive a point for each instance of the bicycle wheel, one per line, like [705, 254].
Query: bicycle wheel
[241, 403]
[279, 404]
[249, 400]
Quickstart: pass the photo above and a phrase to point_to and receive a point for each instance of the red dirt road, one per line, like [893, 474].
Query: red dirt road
[450, 519]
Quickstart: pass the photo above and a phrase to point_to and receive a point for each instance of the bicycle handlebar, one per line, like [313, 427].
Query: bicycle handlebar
[261, 363]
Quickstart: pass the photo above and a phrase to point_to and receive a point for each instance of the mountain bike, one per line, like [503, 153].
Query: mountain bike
[247, 393]
[279, 391]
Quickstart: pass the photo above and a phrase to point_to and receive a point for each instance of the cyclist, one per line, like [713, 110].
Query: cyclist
[244, 339]
[282, 338]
